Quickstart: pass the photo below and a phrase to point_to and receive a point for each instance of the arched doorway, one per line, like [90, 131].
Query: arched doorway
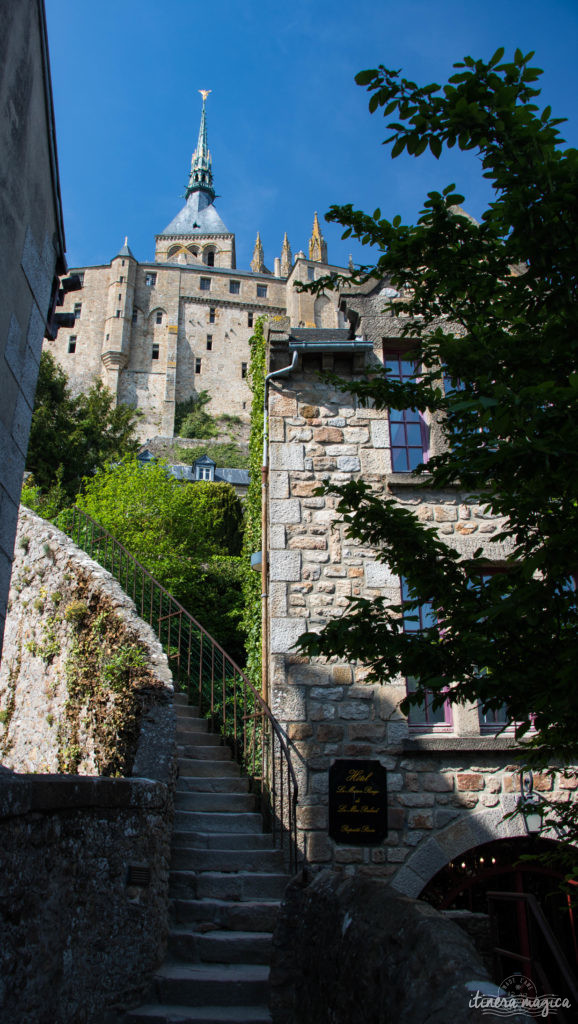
[533, 924]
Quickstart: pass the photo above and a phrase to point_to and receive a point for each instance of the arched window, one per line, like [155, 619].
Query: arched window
[209, 254]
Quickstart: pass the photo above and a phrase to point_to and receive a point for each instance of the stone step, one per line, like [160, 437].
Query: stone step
[212, 985]
[227, 885]
[216, 784]
[183, 711]
[165, 1014]
[189, 726]
[205, 751]
[181, 699]
[222, 841]
[220, 802]
[206, 821]
[206, 769]
[220, 947]
[267, 861]
[249, 916]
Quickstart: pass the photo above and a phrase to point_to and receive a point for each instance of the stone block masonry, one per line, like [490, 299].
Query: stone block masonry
[450, 788]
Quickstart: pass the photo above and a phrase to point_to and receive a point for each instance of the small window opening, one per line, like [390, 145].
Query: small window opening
[77, 310]
[159, 317]
[205, 284]
[249, 319]
[197, 365]
[155, 351]
[261, 291]
[209, 342]
[234, 287]
[243, 370]
[211, 315]
[72, 344]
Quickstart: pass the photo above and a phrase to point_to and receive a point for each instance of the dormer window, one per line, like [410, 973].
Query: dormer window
[204, 468]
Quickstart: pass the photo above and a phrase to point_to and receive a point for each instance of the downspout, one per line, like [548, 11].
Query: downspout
[284, 372]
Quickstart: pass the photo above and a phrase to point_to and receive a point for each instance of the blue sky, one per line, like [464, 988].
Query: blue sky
[289, 130]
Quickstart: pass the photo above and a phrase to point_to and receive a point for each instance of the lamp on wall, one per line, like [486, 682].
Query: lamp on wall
[530, 804]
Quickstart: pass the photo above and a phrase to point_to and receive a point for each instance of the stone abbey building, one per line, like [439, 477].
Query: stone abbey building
[158, 333]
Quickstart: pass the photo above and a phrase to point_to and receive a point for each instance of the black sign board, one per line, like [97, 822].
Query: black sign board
[357, 802]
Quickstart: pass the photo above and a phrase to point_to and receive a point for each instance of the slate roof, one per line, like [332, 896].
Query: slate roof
[197, 217]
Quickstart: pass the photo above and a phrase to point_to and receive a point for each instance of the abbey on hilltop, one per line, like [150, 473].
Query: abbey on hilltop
[157, 333]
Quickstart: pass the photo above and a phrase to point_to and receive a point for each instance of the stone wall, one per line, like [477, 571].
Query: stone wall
[352, 951]
[83, 895]
[84, 861]
[449, 788]
[63, 704]
[31, 245]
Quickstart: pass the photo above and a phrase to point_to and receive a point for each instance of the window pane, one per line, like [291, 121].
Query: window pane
[413, 431]
[399, 460]
[398, 434]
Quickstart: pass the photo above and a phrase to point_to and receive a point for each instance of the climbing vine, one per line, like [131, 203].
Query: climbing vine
[252, 523]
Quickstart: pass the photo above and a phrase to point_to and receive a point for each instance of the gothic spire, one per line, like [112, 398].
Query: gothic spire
[317, 243]
[258, 261]
[201, 176]
[286, 258]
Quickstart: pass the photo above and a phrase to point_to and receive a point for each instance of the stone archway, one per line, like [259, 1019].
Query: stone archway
[447, 844]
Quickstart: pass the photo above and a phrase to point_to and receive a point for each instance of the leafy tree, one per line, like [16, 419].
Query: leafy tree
[186, 535]
[493, 321]
[70, 437]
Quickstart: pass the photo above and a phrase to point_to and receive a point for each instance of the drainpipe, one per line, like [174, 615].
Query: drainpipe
[284, 372]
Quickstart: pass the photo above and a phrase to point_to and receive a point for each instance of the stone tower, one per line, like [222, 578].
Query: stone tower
[197, 234]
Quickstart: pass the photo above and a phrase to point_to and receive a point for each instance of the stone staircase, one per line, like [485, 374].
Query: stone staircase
[227, 881]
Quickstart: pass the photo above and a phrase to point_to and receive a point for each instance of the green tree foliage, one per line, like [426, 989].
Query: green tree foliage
[70, 437]
[497, 336]
[186, 535]
[252, 528]
[191, 419]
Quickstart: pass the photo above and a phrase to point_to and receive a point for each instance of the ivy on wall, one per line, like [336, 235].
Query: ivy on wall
[252, 523]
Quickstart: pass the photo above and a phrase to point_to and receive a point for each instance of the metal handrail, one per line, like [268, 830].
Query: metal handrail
[204, 670]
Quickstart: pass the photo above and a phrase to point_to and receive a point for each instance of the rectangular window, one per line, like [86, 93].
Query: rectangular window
[80, 276]
[72, 344]
[423, 716]
[408, 430]
[209, 342]
[77, 310]
[234, 287]
[122, 263]
[261, 291]
[205, 284]
[212, 315]
[120, 296]
[151, 280]
[197, 365]
[243, 370]
[494, 719]
[134, 316]
[117, 314]
[159, 317]
[249, 319]
[155, 351]
[121, 280]
[310, 273]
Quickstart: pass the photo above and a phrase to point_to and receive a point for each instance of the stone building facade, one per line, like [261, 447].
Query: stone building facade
[453, 776]
[158, 333]
[32, 246]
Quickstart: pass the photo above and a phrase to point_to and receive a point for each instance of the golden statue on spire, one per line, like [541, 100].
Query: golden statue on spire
[204, 93]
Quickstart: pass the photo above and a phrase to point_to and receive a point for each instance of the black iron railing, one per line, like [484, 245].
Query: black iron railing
[203, 670]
